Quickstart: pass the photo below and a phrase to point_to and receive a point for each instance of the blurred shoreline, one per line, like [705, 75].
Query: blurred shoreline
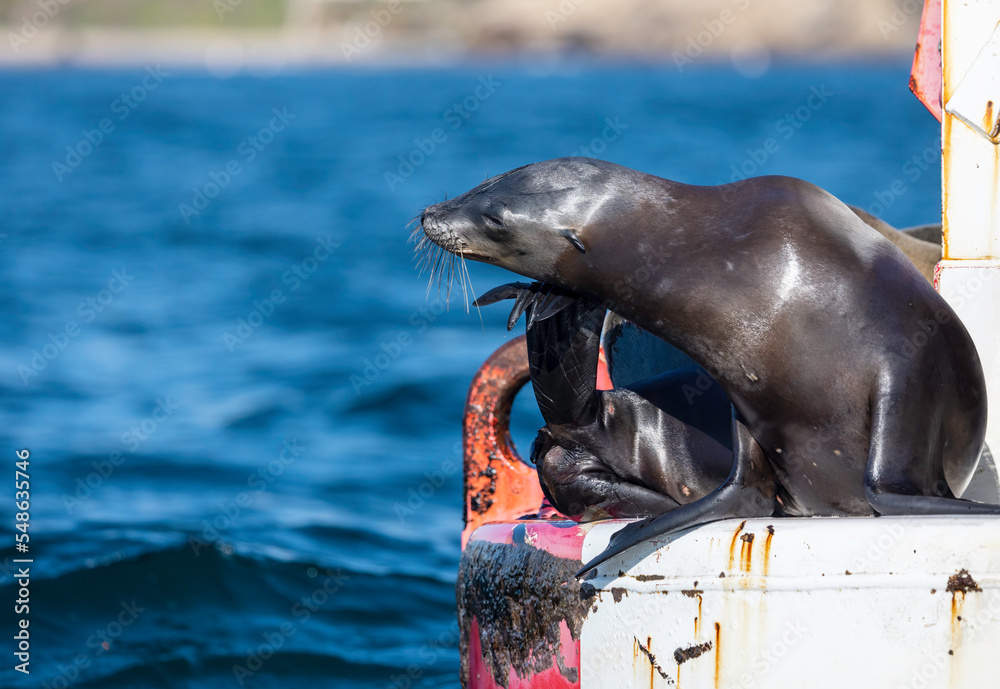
[400, 32]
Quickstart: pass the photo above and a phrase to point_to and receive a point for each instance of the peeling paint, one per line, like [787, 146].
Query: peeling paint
[498, 485]
[682, 655]
[649, 577]
[925, 76]
[650, 657]
[962, 582]
[520, 597]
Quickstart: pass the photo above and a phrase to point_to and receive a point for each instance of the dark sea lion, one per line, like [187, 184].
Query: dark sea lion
[634, 354]
[924, 254]
[628, 452]
[856, 389]
[926, 233]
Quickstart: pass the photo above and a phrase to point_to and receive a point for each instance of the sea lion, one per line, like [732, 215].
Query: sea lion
[930, 232]
[856, 389]
[629, 452]
[925, 253]
[634, 354]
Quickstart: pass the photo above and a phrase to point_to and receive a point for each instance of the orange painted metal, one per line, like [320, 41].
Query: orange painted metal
[603, 375]
[498, 485]
[925, 78]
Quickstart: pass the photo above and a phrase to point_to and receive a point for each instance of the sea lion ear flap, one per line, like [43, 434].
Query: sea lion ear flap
[574, 240]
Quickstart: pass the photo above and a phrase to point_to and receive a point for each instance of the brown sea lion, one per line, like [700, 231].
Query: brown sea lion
[856, 389]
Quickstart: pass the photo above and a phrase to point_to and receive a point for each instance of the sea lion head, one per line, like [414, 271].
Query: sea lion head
[526, 219]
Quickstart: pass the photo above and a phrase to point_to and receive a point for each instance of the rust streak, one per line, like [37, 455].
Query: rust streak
[767, 549]
[746, 552]
[652, 662]
[732, 544]
[697, 620]
[718, 652]
[956, 619]
[959, 584]
[990, 125]
[653, 665]
[946, 66]
[945, 168]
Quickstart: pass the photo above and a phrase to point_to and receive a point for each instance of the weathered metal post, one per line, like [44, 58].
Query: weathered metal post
[969, 275]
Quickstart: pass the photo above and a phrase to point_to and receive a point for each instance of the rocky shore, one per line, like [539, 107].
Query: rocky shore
[403, 31]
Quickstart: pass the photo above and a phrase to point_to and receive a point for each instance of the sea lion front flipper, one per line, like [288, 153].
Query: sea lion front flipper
[520, 292]
[748, 492]
[539, 299]
[898, 436]
[550, 302]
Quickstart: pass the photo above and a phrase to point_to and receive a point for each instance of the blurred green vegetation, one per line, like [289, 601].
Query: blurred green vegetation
[150, 13]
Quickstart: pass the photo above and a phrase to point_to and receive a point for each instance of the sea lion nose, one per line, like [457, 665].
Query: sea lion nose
[427, 217]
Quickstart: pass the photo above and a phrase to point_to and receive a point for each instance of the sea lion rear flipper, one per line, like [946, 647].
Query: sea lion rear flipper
[748, 492]
[891, 485]
[581, 486]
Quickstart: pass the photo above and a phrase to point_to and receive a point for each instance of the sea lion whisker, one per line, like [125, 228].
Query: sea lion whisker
[438, 272]
[428, 263]
[450, 281]
[463, 273]
[425, 255]
[448, 263]
[420, 253]
[428, 253]
[474, 297]
[430, 276]
[440, 257]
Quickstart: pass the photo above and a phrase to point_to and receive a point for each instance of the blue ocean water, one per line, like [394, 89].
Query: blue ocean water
[243, 409]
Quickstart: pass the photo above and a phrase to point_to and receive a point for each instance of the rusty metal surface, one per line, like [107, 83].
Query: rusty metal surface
[498, 485]
[962, 582]
[970, 165]
[925, 78]
[976, 99]
[516, 604]
[910, 601]
[970, 161]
